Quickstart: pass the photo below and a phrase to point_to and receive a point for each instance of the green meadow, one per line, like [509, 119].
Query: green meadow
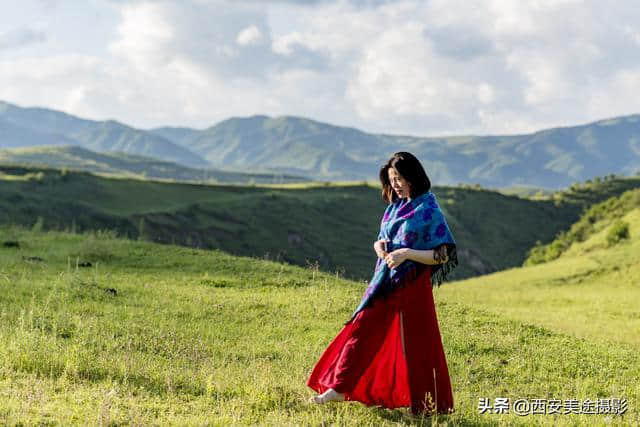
[331, 225]
[101, 330]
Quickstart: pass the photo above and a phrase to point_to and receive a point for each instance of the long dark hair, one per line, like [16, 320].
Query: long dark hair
[409, 167]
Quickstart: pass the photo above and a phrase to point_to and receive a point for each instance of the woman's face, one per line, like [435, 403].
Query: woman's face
[399, 184]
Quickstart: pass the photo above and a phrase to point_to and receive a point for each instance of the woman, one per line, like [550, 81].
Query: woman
[390, 352]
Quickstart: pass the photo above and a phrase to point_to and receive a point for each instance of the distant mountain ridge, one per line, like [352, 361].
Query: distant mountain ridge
[292, 144]
[28, 127]
[552, 158]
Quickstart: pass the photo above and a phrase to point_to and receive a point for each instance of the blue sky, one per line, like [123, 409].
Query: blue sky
[432, 67]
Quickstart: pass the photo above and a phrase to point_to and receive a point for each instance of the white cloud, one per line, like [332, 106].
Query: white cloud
[83, 84]
[408, 66]
[625, 84]
[144, 33]
[485, 93]
[284, 44]
[250, 35]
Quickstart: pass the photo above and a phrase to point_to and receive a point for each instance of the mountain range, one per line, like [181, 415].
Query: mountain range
[552, 158]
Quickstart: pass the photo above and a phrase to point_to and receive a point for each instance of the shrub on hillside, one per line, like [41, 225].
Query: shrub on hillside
[618, 231]
[543, 253]
[96, 246]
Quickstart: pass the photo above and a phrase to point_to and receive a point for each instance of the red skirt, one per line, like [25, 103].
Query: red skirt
[390, 354]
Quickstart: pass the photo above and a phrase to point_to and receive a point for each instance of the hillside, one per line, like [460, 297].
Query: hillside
[295, 145]
[115, 163]
[152, 334]
[590, 290]
[28, 127]
[598, 217]
[552, 158]
[331, 225]
[549, 159]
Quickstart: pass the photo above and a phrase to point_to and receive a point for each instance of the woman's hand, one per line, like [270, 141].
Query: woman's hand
[395, 258]
[379, 246]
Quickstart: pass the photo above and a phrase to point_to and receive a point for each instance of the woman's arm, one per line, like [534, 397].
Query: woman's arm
[428, 256]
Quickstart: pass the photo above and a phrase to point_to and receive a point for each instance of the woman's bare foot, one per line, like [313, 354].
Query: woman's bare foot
[328, 396]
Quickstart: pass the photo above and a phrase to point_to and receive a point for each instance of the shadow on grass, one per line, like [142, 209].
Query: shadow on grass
[405, 417]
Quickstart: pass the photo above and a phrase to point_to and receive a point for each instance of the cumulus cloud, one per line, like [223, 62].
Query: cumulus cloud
[223, 41]
[250, 35]
[406, 66]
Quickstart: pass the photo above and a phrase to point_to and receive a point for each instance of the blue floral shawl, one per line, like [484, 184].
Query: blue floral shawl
[417, 224]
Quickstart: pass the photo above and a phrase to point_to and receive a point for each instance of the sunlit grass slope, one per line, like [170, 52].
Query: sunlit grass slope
[592, 294]
[597, 217]
[592, 290]
[159, 335]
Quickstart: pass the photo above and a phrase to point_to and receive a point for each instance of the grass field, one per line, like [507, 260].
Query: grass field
[157, 334]
[329, 224]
